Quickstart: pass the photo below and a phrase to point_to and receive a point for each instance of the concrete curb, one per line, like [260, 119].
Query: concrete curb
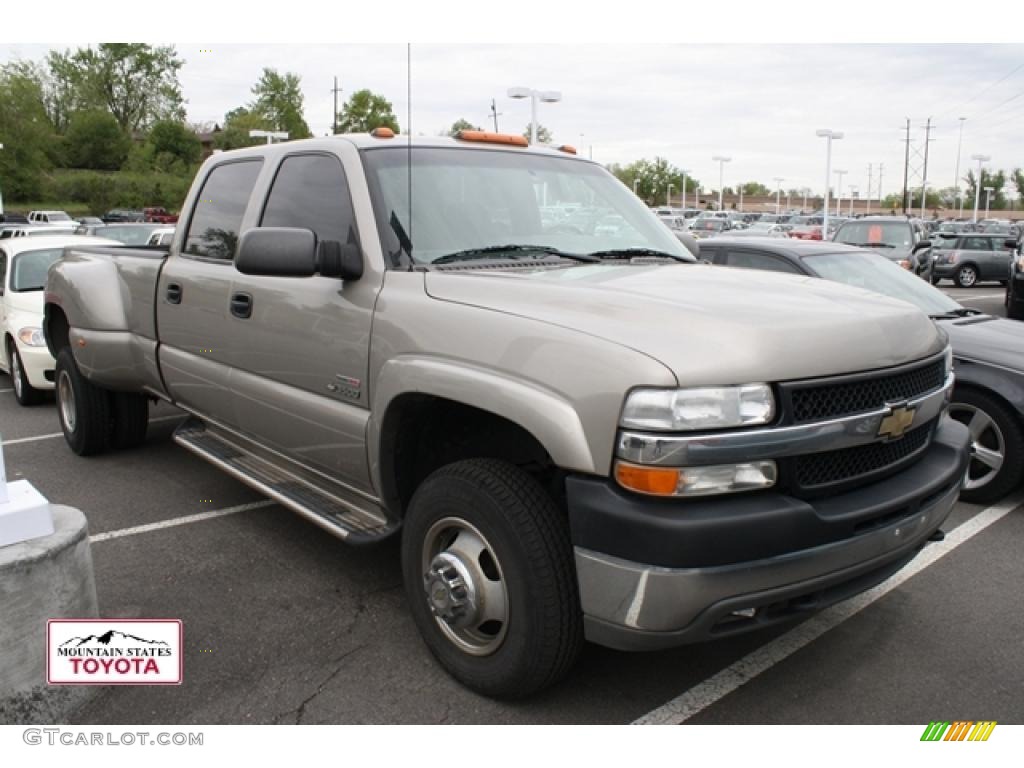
[40, 579]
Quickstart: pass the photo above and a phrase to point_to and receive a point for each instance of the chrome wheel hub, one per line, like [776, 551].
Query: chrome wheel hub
[66, 398]
[16, 373]
[988, 447]
[464, 586]
[967, 277]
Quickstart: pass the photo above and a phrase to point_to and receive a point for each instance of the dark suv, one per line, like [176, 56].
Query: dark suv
[900, 240]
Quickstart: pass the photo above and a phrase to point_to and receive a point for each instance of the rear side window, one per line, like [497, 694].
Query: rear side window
[311, 192]
[764, 261]
[977, 244]
[217, 216]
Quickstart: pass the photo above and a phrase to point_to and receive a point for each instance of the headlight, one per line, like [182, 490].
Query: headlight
[686, 410]
[32, 337]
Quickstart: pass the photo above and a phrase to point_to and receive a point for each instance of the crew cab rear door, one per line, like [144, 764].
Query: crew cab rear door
[193, 289]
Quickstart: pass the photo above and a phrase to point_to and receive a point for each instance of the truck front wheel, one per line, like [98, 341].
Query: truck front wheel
[488, 571]
[84, 408]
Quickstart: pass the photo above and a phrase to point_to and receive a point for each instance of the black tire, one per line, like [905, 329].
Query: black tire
[935, 280]
[130, 413]
[24, 392]
[89, 405]
[966, 276]
[1007, 429]
[1015, 310]
[529, 538]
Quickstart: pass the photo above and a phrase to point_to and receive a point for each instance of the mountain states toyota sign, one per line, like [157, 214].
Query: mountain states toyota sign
[114, 652]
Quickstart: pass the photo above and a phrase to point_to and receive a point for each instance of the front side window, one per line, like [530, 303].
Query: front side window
[763, 261]
[977, 244]
[217, 216]
[311, 192]
[467, 199]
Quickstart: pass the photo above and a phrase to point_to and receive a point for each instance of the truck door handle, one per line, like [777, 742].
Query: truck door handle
[173, 293]
[241, 305]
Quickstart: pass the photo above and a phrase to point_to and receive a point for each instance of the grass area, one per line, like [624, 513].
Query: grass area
[72, 209]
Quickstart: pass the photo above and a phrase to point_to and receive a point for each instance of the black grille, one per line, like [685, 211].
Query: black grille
[825, 401]
[821, 469]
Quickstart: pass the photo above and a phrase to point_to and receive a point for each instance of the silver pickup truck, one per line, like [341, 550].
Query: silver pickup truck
[497, 352]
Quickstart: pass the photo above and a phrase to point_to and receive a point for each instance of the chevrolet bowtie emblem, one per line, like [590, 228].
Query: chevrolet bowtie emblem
[896, 423]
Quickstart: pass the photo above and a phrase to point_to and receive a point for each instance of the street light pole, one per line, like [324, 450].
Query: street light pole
[988, 198]
[270, 135]
[829, 135]
[548, 97]
[668, 196]
[778, 191]
[839, 192]
[635, 183]
[853, 191]
[956, 179]
[977, 183]
[804, 206]
[721, 160]
[684, 188]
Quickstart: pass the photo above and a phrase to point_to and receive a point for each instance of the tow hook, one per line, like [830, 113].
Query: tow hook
[939, 535]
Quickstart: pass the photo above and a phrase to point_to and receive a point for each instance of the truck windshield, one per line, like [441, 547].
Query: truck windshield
[895, 234]
[28, 270]
[467, 199]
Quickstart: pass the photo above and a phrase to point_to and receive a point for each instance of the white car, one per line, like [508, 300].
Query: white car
[24, 262]
[162, 236]
[51, 218]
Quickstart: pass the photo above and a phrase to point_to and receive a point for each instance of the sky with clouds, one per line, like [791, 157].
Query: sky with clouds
[758, 104]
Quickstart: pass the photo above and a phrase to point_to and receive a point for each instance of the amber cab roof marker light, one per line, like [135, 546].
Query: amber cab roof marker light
[568, 149]
[382, 132]
[488, 137]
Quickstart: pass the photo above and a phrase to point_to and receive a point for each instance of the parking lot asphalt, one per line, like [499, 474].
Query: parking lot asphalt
[284, 623]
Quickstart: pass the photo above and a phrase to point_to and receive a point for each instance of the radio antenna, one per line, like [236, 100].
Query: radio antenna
[408, 122]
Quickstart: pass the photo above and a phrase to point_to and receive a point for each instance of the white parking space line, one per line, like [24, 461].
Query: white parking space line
[6, 390]
[982, 296]
[706, 693]
[176, 521]
[61, 434]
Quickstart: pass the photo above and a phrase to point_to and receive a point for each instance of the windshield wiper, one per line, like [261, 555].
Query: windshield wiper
[629, 253]
[512, 251]
[873, 245]
[958, 312]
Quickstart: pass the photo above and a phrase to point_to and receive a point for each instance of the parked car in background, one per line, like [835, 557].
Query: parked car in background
[122, 215]
[13, 218]
[1015, 286]
[760, 229]
[162, 236]
[898, 239]
[710, 226]
[988, 351]
[970, 258]
[33, 230]
[23, 353]
[159, 215]
[51, 218]
[89, 221]
[805, 232]
[128, 234]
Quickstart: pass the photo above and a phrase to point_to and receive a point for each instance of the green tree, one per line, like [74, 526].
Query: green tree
[95, 140]
[237, 124]
[652, 177]
[26, 133]
[462, 125]
[173, 138]
[996, 180]
[757, 189]
[365, 111]
[137, 83]
[543, 134]
[279, 100]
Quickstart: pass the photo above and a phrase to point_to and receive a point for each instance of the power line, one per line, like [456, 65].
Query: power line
[986, 89]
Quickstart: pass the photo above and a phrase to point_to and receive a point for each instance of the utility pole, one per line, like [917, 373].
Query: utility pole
[335, 90]
[880, 187]
[906, 168]
[956, 177]
[867, 206]
[924, 180]
[495, 114]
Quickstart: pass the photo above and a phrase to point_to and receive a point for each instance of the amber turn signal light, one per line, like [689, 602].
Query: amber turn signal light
[656, 481]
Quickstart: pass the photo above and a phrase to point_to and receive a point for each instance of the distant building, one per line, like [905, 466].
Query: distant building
[207, 139]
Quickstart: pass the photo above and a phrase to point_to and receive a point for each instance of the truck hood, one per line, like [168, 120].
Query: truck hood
[709, 325]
